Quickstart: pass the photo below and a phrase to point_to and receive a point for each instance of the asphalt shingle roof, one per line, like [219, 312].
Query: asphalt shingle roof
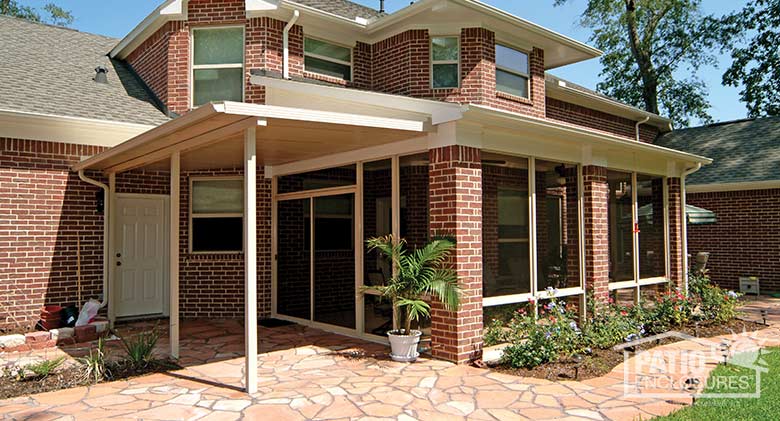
[49, 70]
[343, 8]
[743, 151]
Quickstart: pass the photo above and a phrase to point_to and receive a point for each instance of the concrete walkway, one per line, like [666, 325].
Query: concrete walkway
[309, 374]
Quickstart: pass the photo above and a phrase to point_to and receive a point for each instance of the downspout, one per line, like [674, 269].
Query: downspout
[286, 44]
[106, 257]
[639, 123]
[685, 174]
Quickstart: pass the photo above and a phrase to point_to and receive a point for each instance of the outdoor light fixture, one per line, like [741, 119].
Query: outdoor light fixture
[577, 358]
[692, 383]
[763, 315]
[696, 328]
[725, 346]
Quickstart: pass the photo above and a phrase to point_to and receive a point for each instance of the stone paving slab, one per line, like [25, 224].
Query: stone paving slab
[307, 374]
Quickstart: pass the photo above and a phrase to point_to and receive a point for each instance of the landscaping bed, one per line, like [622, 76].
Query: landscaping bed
[74, 377]
[602, 361]
[547, 339]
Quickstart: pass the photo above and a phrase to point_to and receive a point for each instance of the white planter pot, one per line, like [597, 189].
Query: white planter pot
[403, 348]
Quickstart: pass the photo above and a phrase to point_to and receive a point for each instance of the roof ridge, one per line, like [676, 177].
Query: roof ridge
[53, 26]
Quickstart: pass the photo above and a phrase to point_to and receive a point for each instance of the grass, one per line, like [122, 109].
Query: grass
[766, 407]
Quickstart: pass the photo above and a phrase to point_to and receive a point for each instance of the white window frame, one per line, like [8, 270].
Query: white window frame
[192, 215]
[194, 67]
[435, 62]
[527, 76]
[330, 59]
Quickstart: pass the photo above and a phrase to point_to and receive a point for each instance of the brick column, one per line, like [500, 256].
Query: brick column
[456, 211]
[676, 218]
[595, 205]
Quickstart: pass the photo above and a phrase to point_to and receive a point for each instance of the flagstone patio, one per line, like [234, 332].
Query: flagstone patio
[310, 374]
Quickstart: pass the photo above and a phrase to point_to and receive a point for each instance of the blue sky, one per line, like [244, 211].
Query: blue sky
[117, 17]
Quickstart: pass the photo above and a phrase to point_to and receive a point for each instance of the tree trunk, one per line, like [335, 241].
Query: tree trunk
[643, 60]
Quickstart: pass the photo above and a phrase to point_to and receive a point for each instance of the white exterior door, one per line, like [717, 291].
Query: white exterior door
[141, 255]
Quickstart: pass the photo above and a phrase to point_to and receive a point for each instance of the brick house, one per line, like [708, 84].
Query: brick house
[246, 149]
[742, 188]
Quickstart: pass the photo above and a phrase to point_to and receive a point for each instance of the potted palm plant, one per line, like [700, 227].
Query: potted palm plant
[418, 274]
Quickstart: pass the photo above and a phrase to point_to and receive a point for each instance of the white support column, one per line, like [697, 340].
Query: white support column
[250, 259]
[173, 260]
[111, 200]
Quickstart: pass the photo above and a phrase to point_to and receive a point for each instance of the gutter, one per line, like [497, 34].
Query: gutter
[286, 43]
[639, 123]
[685, 174]
[106, 225]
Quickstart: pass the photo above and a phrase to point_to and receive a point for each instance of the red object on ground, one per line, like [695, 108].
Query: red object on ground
[51, 317]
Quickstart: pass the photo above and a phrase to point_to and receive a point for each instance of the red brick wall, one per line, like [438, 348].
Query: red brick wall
[456, 210]
[595, 202]
[599, 121]
[43, 210]
[746, 239]
[674, 197]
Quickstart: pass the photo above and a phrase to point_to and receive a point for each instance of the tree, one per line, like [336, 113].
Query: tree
[54, 14]
[648, 46]
[756, 65]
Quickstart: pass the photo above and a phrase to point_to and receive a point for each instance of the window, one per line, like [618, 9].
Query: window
[217, 65]
[327, 59]
[511, 71]
[445, 55]
[621, 226]
[216, 215]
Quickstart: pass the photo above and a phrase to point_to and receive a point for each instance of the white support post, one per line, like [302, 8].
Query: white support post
[111, 199]
[250, 259]
[173, 260]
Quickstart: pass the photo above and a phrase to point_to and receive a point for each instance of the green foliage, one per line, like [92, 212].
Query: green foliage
[46, 367]
[669, 310]
[712, 302]
[647, 45]
[54, 14]
[612, 324]
[140, 348]
[495, 333]
[552, 335]
[752, 36]
[95, 365]
[418, 274]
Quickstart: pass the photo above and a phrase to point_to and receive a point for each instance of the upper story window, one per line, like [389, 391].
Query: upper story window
[512, 71]
[445, 62]
[217, 65]
[327, 59]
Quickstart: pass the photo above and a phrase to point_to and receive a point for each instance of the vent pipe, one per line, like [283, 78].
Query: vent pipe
[101, 74]
[381, 6]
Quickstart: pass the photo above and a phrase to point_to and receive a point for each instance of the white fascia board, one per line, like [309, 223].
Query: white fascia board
[171, 10]
[738, 186]
[253, 6]
[494, 12]
[480, 112]
[440, 112]
[64, 129]
[326, 117]
[599, 103]
[262, 7]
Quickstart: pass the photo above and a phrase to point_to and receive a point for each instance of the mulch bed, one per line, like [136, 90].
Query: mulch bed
[602, 361]
[73, 377]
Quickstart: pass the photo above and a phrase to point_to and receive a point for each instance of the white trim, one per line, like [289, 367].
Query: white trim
[112, 247]
[738, 186]
[532, 232]
[506, 299]
[653, 281]
[66, 129]
[171, 10]
[440, 112]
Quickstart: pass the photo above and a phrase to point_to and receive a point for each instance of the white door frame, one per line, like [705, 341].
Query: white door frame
[165, 247]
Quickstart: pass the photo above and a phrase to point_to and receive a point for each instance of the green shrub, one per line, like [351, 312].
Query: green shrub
[140, 348]
[612, 325]
[717, 304]
[95, 365]
[45, 368]
[495, 333]
[669, 310]
[552, 335]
